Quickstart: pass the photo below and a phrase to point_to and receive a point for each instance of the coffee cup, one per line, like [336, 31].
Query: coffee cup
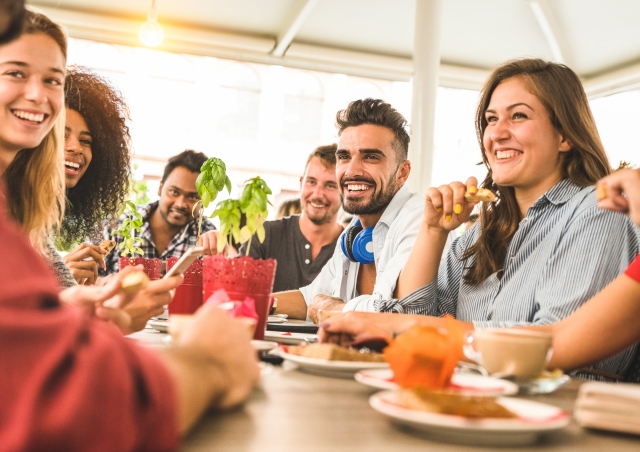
[519, 353]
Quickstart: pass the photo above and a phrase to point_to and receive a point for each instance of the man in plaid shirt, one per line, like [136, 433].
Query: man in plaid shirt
[169, 227]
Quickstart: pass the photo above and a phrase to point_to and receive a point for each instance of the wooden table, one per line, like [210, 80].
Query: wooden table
[294, 411]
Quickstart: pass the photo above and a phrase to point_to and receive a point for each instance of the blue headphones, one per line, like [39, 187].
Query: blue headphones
[356, 243]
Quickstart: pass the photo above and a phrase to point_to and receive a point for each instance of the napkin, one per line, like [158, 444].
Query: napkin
[426, 356]
[246, 308]
[609, 406]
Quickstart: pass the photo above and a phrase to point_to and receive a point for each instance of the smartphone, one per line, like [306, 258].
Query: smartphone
[183, 263]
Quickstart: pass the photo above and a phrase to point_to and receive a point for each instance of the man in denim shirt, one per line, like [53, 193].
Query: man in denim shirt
[372, 169]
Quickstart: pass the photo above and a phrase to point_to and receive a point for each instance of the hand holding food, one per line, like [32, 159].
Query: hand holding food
[449, 206]
[83, 262]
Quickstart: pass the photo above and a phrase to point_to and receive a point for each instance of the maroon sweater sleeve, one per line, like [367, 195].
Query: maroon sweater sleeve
[68, 382]
[633, 271]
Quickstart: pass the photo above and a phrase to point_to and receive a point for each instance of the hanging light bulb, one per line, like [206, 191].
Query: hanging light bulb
[151, 33]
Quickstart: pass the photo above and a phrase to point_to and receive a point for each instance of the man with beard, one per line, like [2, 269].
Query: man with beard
[372, 169]
[169, 227]
[302, 244]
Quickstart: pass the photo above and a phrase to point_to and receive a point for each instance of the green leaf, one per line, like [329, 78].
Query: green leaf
[222, 242]
[227, 184]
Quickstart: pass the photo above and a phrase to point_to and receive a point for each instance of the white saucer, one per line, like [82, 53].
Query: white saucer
[468, 384]
[534, 419]
[276, 319]
[159, 325]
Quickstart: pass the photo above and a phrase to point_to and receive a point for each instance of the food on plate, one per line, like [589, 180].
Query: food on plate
[601, 192]
[108, 245]
[134, 282]
[334, 352]
[481, 195]
[458, 405]
[426, 356]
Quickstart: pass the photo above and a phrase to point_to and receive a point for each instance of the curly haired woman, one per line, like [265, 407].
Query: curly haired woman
[97, 167]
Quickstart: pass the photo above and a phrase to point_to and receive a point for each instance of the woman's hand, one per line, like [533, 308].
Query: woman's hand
[621, 193]
[226, 342]
[149, 302]
[106, 302]
[83, 263]
[445, 208]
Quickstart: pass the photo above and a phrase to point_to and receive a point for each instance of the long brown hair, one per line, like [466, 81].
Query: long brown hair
[559, 89]
[35, 180]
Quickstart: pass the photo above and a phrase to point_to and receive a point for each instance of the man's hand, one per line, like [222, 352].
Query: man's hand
[149, 302]
[325, 303]
[621, 192]
[209, 241]
[83, 263]
[226, 342]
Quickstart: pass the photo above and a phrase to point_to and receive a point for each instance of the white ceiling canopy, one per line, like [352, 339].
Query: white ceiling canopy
[599, 39]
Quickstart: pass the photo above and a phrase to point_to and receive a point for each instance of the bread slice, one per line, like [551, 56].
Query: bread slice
[134, 282]
[482, 195]
[108, 245]
[455, 404]
[334, 352]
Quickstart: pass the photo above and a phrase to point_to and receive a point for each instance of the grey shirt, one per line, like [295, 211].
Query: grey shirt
[285, 243]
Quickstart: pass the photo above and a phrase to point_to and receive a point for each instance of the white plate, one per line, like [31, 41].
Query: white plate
[542, 385]
[159, 325]
[286, 338]
[470, 384]
[326, 368]
[534, 419]
[276, 319]
[263, 346]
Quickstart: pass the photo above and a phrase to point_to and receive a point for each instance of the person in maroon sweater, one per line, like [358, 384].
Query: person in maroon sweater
[72, 382]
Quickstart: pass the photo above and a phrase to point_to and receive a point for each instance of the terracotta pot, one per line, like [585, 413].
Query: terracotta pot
[152, 267]
[188, 296]
[242, 277]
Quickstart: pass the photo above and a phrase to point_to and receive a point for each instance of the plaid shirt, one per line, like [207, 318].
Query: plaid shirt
[183, 240]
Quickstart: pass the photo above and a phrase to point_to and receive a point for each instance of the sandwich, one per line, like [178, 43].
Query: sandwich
[481, 195]
[441, 402]
[333, 352]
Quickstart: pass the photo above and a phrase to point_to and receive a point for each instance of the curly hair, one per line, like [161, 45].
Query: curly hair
[99, 194]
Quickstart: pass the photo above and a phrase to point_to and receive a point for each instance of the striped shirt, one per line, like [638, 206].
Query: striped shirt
[564, 252]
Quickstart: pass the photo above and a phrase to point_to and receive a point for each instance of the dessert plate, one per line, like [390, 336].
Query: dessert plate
[327, 368]
[159, 325]
[276, 319]
[467, 384]
[533, 420]
[288, 338]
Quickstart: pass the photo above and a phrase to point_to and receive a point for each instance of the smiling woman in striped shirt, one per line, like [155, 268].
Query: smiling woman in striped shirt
[543, 247]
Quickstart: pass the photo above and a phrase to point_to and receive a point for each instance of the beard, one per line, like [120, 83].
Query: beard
[320, 219]
[375, 204]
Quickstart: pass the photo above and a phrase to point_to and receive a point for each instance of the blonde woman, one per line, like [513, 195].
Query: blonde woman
[32, 77]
